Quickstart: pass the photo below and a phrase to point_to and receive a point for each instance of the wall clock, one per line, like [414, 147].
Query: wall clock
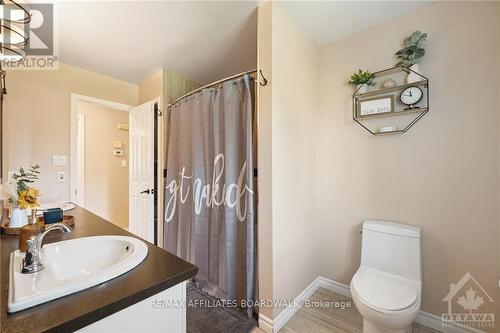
[411, 96]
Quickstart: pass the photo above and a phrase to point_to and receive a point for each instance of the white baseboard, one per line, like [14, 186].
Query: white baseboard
[339, 288]
[265, 324]
[272, 326]
[288, 312]
[424, 318]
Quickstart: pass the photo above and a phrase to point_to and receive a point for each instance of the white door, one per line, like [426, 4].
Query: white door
[141, 191]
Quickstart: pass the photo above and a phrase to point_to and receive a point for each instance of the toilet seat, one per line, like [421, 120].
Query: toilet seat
[384, 291]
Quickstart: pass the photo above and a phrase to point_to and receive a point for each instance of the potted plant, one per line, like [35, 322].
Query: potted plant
[361, 80]
[411, 53]
[21, 195]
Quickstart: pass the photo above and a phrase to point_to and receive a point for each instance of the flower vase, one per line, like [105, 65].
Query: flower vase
[414, 76]
[18, 218]
[361, 88]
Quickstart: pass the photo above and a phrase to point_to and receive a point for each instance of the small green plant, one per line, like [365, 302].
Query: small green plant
[362, 77]
[412, 51]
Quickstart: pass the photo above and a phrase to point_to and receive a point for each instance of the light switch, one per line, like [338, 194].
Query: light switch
[117, 144]
[118, 152]
[124, 163]
[61, 176]
[59, 160]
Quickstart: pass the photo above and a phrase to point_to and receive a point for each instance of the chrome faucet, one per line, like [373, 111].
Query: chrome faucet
[32, 262]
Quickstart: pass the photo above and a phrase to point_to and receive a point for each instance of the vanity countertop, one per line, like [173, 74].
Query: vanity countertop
[159, 271]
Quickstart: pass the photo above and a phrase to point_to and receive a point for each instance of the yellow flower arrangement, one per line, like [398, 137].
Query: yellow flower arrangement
[21, 194]
[28, 198]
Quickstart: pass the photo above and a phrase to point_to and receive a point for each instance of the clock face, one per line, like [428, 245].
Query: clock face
[411, 95]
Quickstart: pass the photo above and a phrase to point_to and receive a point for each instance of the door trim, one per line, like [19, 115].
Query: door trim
[80, 156]
[160, 193]
[75, 98]
[158, 172]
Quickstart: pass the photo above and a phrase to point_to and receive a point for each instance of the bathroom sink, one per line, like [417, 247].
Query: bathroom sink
[71, 266]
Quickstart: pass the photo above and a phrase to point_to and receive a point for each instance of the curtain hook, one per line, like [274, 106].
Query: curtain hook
[263, 78]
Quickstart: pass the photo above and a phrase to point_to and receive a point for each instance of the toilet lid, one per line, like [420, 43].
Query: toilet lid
[385, 291]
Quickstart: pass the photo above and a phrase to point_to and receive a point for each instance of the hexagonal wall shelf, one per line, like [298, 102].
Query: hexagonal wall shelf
[392, 107]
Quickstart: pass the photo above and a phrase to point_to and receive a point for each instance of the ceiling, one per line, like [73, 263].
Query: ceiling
[130, 40]
[328, 21]
[204, 41]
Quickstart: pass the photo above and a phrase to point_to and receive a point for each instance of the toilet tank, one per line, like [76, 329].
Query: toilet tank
[393, 248]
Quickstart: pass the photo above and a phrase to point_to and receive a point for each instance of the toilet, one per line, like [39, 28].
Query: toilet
[386, 288]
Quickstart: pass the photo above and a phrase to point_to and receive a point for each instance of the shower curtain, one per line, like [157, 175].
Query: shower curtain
[209, 195]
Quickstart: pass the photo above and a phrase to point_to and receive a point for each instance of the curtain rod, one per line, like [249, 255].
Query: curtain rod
[217, 82]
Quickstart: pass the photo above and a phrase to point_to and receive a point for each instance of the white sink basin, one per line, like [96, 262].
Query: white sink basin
[72, 266]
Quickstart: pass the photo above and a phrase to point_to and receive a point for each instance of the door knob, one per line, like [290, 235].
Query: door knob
[148, 191]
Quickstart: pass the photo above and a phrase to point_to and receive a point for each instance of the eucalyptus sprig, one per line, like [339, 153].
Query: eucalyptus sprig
[412, 50]
[362, 77]
[25, 177]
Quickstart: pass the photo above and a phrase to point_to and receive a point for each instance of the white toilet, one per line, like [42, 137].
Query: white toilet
[386, 289]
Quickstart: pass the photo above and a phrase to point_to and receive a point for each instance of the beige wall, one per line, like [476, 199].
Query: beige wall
[290, 128]
[106, 180]
[294, 159]
[442, 175]
[37, 118]
[265, 203]
[328, 174]
[151, 88]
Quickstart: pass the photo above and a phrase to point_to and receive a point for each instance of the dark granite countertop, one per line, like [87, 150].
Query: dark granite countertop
[159, 271]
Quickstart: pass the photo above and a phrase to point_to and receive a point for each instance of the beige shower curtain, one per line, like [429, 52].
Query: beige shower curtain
[209, 195]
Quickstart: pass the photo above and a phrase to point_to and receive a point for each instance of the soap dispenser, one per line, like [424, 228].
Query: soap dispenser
[29, 230]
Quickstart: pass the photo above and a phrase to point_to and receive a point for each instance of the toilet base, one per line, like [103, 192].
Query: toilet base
[370, 328]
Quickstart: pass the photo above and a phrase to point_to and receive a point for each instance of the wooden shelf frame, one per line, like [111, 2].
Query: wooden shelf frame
[421, 111]
[393, 113]
[391, 89]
